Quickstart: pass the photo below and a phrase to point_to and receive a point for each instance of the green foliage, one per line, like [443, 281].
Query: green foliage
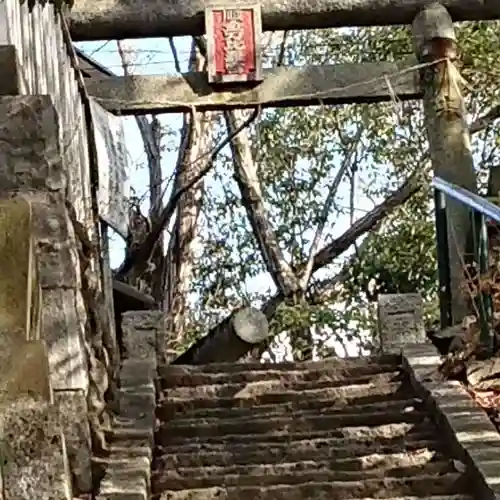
[399, 259]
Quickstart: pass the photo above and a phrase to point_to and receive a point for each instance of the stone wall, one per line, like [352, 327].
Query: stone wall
[33, 452]
[33, 458]
[52, 166]
[32, 168]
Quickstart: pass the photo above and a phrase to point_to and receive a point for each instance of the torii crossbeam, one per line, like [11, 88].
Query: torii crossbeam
[119, 19]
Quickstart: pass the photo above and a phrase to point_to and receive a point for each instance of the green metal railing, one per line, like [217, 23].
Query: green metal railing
[480, 210]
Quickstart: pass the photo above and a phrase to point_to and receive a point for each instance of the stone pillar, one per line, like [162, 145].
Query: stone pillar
[129, 472]
[64, 329]
[450, 150]
[400, 319]
[31, 167]
[402, 331]
[137, 395]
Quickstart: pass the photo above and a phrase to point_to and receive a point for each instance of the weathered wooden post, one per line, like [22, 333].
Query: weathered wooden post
[449, 142]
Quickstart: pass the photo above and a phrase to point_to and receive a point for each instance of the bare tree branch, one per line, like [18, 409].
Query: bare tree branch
[138, 259]
[151, 134]
[483, 122]
[366, 223]
[177, 64]
[281, 56]
[151, 137]
[346, 164]
[325, 290]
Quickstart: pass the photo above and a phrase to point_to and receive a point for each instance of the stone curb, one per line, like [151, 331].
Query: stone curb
[128, 467]
[468, 428]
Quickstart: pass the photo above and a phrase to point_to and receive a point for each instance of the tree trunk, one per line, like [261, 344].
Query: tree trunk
[449, 140]
[287, 281]
[179, 259]
[302, 343]
[229, 340]
[153, 150]
[151, 134]
[246, 176]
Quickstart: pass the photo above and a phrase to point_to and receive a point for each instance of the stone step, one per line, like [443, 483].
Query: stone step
[131, 450]
[130, 441]
[130, 490]
[123, 494]
[210, 494]
[116, 463]
[188, 376]
[421, 486]
[297, 408]
[393, 431]
[130, 477]
[348, 363]
[309, 422]
[252, 389]
[348, 452]
[347, 395]
[400, 462]
[289, 473]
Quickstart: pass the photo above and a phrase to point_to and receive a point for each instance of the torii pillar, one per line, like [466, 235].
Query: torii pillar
[434, 42]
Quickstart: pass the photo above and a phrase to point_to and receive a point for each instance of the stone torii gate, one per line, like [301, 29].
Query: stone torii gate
[434, 44]
[50, 346]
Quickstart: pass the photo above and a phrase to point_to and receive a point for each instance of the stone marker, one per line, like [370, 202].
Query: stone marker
[400, 318]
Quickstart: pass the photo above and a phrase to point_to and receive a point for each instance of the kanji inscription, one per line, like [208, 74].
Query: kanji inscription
[400, 320]
[233, 44]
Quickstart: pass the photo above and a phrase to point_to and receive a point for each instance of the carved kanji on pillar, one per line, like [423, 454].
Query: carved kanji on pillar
[233, 44]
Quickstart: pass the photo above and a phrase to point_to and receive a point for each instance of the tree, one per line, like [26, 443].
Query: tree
[399, 256]
[196, 138]
[152, 134]
[266, 197]
[147, 266]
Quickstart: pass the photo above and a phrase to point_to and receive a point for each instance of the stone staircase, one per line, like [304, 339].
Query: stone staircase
[126, 471]
[335, 429]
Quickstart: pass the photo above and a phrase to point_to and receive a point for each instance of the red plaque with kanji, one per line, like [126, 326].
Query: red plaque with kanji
[233, 44]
